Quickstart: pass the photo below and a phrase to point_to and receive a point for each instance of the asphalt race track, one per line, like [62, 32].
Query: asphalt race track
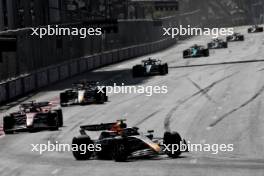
[218, 99]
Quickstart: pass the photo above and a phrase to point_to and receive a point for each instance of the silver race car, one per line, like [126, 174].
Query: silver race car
[150, 67]
[83, 92]
[217, 44]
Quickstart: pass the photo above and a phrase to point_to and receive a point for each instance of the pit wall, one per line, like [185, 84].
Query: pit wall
[27, 83]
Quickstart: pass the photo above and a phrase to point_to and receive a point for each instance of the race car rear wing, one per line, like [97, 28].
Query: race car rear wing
[98, 127]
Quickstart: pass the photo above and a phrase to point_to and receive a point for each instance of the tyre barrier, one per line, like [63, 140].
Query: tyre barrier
[23, 85]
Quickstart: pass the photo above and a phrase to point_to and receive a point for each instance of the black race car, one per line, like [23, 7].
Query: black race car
[150, 67]
[84, 92]
[217, 44]
[255, 29]
[196, 51]
[235, 37]
[33, 116]
[120, 143]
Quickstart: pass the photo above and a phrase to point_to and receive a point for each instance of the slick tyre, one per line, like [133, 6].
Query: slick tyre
[100, 98]
[206, 52]
[171, 139]
[164, 69]
[185, 54]
[63, 99]
[7, 124]
[77, 142]
[225, 45]
[60, 117]
[55, 123]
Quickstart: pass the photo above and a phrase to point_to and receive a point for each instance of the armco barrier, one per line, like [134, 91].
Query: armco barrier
[104, 58]
[121, 55]
[64, 71]
[3, 93]
[115, 56]
[46, 76]
[97, 61]
[42, 78]
[130, 52]
[90, 62]
[82, 65]
[15, 88]
[29, 83]
[109, 57]
[53, 74]
[73, 68]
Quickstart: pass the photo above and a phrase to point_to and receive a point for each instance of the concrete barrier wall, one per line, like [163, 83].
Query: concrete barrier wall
[3, 93]
[30, 83]
[18, 87]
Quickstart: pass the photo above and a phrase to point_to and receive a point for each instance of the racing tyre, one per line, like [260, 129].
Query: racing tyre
[164, 69]
[185, 54]
[206, 52]
[241, 38]
[7, 124]
[120, 153]
[60, 117]
[105, 96]
[225, 45]
[76, 143]
[100, 98]
[171, 139]
[63, 99]
[56, 124]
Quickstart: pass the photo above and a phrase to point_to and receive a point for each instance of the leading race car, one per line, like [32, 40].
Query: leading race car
[235, 37]
[150, 67]
[217, 44]
[120, 143]
[255, 29]
[33, 116]
[84, 92]
[196, 51]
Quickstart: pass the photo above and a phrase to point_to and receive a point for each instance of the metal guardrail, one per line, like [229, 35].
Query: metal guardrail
[25, 84]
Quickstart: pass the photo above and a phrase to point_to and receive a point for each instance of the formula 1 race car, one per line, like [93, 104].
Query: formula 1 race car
[84, 92]
[120, 143]
[150, 67]
[217, 44]
[33, 116]
[255, 29]
[196, 51]
[235, 37]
